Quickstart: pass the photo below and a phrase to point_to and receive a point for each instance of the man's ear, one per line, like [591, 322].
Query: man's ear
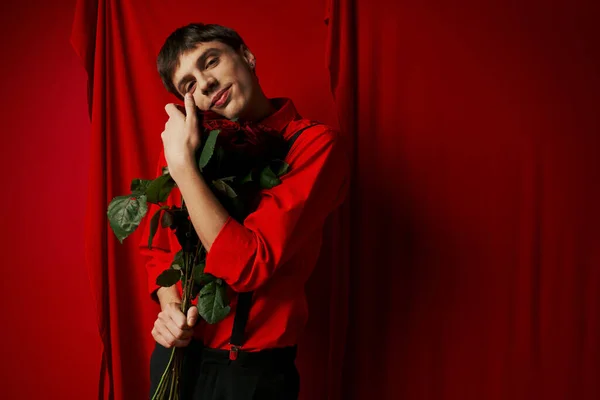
[248, 56]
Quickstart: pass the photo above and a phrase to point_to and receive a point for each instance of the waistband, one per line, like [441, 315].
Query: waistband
[269, 357]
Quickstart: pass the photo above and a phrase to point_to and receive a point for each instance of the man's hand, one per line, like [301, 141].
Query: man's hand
[181, 137]
[172, 328]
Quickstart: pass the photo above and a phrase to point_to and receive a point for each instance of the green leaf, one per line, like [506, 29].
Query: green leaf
[222, 296]
[168, 277]
[213, 304]
[139, 186]
[154, 225]
[167, 219]
[159, 189]
[247, 178]
[209, 149]
[125, 214]
[280, 167]
[200, 277]
[268, 179]
[224, 188]
[178, 262]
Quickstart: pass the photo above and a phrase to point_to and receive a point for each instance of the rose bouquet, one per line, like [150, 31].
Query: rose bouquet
[237, 161]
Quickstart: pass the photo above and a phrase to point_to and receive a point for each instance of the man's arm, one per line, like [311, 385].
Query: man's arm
[180, 139]
[171, 327]
[168, 295]
[206, 213]
[288, 215]
[247, 255]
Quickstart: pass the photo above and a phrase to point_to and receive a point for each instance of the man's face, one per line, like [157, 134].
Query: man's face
[219, 77]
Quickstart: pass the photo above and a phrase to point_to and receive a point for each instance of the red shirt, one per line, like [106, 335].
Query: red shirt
[276, 248]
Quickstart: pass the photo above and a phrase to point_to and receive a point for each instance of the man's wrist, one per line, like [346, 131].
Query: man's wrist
[184, 168]
[188, 178]
[168, 295]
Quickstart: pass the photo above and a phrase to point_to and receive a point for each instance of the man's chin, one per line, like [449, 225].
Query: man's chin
[230, 111]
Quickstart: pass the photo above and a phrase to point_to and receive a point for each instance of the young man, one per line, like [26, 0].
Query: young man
[271, 254]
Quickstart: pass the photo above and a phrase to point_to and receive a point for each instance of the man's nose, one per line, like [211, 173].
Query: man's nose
[207, 85]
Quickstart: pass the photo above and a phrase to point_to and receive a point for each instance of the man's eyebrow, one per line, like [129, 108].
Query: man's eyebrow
[200, 62]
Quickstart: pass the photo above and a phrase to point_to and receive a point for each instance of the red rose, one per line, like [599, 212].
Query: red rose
[252, 140]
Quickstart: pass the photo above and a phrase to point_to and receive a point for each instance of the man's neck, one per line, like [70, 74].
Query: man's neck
[259, 109]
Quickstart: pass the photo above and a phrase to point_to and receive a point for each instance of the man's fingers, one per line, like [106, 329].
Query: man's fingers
[173, 110]
[192, 316]
[170, 109]
[177, 331]
[159, 339]
[172, 328]
[190, 109]
[168, 343]
[164, 335]
[167, 323]
[173, 313]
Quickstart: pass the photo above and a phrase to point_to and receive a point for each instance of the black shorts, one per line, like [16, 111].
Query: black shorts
[209, 374]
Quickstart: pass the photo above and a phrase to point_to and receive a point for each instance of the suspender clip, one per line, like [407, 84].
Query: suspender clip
[233, 352]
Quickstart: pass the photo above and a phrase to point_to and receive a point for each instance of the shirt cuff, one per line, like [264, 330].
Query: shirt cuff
[230, 254]
[160, 261]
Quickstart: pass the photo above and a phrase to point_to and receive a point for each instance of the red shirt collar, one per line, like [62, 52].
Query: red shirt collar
[285, 112]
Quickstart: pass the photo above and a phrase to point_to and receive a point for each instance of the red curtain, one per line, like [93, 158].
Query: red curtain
[475, 248]
[118, 42]
[474, 251]
[46, 301]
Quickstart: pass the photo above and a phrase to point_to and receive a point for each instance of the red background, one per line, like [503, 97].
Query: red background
[474, 246]
[50, 344]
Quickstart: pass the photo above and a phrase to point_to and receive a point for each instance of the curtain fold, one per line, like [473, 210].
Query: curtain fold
[340, 54]
[474, 245]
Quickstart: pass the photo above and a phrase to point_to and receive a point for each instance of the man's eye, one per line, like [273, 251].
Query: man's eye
[213, 61]
[189, 86]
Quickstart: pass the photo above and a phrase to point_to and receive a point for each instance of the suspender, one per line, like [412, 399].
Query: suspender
[245, 299]
[239, 323]
[293, 138]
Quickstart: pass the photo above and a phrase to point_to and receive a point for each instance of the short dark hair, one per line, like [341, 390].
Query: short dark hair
[185, 39]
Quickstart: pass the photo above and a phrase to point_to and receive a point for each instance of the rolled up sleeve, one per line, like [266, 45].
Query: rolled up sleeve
[288, 215]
